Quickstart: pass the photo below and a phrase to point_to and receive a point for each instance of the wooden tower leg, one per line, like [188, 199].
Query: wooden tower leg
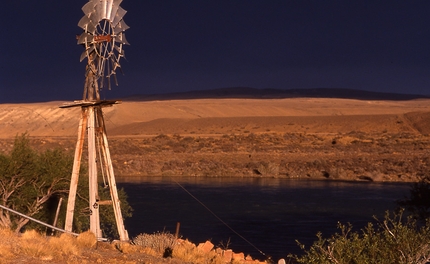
[92, 170]
[107, 163]
[75, 172]
[92, 122]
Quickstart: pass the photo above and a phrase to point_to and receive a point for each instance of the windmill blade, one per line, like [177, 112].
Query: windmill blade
[115, 7]
[118, 16]
[121, 39]
[85, 38]
[108, 5]
[82, 38]
[121, 27]
[102, 8]
[88, 8]
[85, 20]
[83, 56]
[87, 53]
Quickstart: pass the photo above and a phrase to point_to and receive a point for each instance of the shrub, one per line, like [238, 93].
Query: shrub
[269, 169]
[418, 202]
[167, 245]
[161, 242]
[393, 240]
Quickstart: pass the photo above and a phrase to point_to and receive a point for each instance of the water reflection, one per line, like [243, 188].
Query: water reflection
[258, 181]
[271, 213]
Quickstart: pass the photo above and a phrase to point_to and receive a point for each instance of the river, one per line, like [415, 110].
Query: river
[254, 215]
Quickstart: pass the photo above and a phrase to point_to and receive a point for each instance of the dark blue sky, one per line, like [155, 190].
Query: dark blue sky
[182, 45]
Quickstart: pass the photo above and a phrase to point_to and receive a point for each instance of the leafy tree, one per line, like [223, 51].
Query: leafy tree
[393, 240]
[32, 183]
[28, 180]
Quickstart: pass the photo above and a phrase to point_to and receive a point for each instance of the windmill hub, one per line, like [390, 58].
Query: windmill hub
[103, 38]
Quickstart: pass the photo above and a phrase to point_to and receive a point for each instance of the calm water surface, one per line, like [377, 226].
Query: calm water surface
[269, 213]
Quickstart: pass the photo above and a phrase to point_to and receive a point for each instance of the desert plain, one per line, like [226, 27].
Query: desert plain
[300, 138]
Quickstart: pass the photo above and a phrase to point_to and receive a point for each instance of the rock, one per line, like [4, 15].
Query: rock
[205, 247]
[227, 255]
[238, 256]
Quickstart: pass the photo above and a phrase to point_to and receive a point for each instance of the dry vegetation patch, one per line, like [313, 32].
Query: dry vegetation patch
[32, 247]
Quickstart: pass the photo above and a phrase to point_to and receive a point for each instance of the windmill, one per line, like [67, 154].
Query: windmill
[103, 39]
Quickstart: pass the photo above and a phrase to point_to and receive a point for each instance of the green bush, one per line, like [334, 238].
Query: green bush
[28, 180]
[394, 240]
[32, 183]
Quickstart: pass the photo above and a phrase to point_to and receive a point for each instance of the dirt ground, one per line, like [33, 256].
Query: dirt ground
[307, 138]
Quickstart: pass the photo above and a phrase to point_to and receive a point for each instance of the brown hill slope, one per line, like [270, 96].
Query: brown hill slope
[215, 116]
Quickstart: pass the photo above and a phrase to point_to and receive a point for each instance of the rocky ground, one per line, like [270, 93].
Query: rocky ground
[353, 156]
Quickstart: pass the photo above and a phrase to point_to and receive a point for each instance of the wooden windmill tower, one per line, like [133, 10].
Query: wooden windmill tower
[103, 39]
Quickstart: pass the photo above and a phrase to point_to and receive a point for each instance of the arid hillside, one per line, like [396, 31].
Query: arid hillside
[291, 137]
[215, 116]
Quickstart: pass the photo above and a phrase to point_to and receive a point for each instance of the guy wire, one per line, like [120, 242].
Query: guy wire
[217, 217]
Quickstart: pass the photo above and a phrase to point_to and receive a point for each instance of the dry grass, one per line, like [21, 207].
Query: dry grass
[39, 247]
[32, 247]
[87, 239]
[36, 246]
[7, 245]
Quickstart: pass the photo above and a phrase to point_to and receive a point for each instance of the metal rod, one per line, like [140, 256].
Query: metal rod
[178, 225]
[37, 221]
[57, 213]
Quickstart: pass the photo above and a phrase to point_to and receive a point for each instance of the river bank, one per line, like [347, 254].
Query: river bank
[353, 156]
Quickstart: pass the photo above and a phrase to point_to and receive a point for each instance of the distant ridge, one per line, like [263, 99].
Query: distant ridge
[253, 93]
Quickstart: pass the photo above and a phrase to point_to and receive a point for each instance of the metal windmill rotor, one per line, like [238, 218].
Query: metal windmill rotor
[103, 38]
